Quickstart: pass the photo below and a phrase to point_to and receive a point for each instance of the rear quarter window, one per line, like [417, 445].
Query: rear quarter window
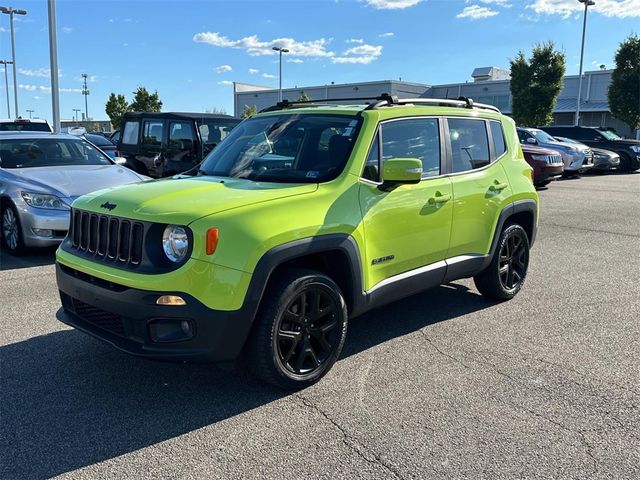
[130, 133]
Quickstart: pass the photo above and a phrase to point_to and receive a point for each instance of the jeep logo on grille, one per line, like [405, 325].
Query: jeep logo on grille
[108, 206]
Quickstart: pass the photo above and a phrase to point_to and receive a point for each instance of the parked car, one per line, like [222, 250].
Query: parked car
[25, 125]
[40, 175]
[603, 160]
[164, 144]
[604, 138]
[547, 164]
[300, 218]
[102, 143]
[576, 159]
[115, 137]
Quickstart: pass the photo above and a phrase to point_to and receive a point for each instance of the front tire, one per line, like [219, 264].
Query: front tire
[11, 233]
[299, 331]
[506, 273]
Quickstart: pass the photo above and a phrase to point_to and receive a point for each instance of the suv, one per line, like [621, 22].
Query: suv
[603, 138]
[164, 144]
[304, 216]
[576, 158]
[25, 125]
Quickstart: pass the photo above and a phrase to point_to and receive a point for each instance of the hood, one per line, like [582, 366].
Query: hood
[567, 146]
[626, 141]
[74, 180]
[182, 200]
[535, 150]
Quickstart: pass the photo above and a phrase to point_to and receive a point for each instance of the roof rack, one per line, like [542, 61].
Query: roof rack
[385, 100]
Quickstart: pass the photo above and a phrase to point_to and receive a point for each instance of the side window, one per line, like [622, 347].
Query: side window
[414, 138]
[372, 165]
[152, 132]
[181, 136]
[469, 144]
[522, 136]
[499, 144]
[130, 133]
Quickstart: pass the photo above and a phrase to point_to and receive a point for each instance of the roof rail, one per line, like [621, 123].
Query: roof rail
[461, 102]
[385, 100]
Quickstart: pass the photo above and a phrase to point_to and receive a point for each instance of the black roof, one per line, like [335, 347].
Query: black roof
[180, 115]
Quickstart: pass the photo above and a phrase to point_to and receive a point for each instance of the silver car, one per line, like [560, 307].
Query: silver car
[603, 160]
[41, 174]
[576, 158]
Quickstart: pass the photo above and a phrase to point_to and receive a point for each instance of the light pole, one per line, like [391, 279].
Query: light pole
[85, 92]
[53, 65]
[281, 51]
[75, 115]
[587, 4]
[6, 84]
[30, 112]
[11, 11]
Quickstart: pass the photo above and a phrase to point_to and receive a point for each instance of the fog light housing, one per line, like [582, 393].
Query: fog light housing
[165, 330]
[170, 300]
[43, 232]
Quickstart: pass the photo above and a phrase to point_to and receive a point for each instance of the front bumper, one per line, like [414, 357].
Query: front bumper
[122, 316]
[34, 220]
[545, 173]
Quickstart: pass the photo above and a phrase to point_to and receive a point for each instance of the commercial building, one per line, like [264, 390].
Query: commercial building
[489, 85]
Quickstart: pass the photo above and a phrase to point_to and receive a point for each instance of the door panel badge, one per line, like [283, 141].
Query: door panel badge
[387, 258]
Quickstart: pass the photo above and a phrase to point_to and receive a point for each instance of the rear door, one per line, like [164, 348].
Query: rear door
[181, 151]
[480, 184]
[406, 227]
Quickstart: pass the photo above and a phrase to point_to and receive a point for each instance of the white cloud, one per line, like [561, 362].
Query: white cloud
[42, 88]
[35, 72]
[254, 71]
[362, 54]
[36, 97]
[500, 3]
[295, 60]
[566, 8]
[29, 88]
[268, 75]
[476, 12]
[256, 47]
[354, 40]
[67, 29]
[225, 82]
[223, 69]
[392, 4]
[386, 35]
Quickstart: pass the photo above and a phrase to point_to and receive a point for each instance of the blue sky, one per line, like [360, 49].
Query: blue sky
[190, 51]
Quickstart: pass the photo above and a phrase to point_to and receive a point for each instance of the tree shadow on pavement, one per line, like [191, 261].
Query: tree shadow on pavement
[68, 401]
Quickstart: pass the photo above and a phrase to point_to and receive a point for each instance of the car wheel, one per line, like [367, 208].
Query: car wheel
[505, 275]
[11, 230]
[299, 330]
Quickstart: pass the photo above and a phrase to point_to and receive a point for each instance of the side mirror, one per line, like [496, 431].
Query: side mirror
[119, 160]
[401, 171]
[532, 141]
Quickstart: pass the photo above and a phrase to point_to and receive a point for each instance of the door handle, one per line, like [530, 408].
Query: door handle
[498, 187]
[439, 198]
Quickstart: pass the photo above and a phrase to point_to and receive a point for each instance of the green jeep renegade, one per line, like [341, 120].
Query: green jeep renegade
[304, 216]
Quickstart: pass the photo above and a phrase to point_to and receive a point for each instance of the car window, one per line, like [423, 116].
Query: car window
[499, 144]
[413, 138]
[371, 169]
[469, 144]
[181, 135]
[523, 135]
[609, 135]
[99, 140]
[49, 152]
[130, 133]
[543, 137]
[152, 132]
[24, 126]
[213, 132]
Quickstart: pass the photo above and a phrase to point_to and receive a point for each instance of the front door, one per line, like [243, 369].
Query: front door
[406, 227]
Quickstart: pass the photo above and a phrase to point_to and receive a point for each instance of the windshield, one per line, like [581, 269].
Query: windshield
[24, 127]
[543, 137]
[300, 148]
[99, 140]
[48, 152]
[609, 135]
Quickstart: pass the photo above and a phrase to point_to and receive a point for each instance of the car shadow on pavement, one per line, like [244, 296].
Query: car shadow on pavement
[35, 258]
[68, 401]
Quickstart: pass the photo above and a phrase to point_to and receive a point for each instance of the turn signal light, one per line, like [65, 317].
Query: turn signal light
[170, 300]
[212, 240]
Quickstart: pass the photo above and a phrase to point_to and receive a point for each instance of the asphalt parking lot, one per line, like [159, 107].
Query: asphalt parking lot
[444, 384]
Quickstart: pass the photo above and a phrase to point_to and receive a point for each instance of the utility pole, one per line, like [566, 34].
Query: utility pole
[30, 112]
[85, 92]
[11, 12]
[587, 4]
[75, 115]
[53, 55]
[6, 83]
[281, 51]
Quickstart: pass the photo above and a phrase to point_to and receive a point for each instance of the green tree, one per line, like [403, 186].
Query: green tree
[249, 111]
[303, 97]
[624, 91]
[115, 108]
[143, 101]
[536, 84]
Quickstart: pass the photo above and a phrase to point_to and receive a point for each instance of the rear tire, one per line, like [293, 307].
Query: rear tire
[299, 331]
[11, 230]
[506, 273]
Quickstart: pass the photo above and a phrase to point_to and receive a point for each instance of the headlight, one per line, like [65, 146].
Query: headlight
[635, 148]
[175, 243]
[42, 200]
[540, 158]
